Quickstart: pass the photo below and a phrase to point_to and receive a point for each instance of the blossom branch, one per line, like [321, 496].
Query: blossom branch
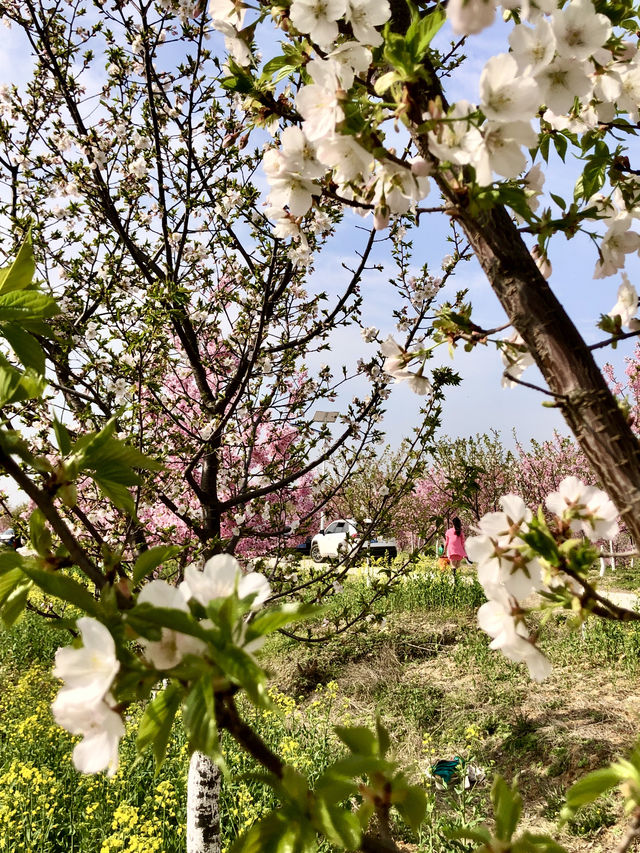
[44, 502]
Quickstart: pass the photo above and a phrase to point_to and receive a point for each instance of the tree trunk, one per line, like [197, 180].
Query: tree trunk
[563, 357]
[203, 805]
[580, 390]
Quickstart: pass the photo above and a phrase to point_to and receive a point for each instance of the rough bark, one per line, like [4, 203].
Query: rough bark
[203, 809]
[564, 359]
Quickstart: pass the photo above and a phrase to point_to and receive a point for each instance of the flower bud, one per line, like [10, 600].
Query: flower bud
[420, 167]
[381, 217]
[542, 261]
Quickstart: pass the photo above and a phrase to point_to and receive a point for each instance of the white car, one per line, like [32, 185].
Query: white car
[341, 537]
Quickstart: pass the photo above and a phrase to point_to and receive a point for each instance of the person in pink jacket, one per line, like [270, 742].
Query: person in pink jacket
[454, 544]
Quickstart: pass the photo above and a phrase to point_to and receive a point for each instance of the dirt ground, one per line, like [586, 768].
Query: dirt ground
[429, 674]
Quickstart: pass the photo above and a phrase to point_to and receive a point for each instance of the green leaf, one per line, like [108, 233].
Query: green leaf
[284, 614]
[14, 605]
[40, 534]
[9, 580]
[341, 827]
[413, 806]
[167, 617]
[560, 143]
[61, 586]
[118, 494]
[426, 28]
[383, 738]
[23, 304]
[541, 843]
[243, 670]
[480, 834]
[151, 559]
[272, 834]
[25, 346]
[507, 807]
[63, 439]
[385, 82]
[592, 786]
[200, 718]
[16, 387]
[359, 739]
[157, 721]
[20, 274]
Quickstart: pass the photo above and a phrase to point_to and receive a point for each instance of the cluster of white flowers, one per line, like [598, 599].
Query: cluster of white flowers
[508, 576]
[626, 307]
[588, 510]
[369, 334]
[308, 154]
[515, 357]
[84, 705]
[396, 360]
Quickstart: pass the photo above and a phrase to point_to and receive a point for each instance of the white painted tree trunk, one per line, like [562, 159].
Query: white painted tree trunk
[203, 805]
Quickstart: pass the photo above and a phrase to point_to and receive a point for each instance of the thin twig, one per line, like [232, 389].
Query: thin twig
[614, 340]
[546, 391]
[633, 832]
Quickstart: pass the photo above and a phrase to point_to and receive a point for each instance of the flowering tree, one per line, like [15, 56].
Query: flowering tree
[339, 141]
[184, 324]
[466, 477]
[147, 210]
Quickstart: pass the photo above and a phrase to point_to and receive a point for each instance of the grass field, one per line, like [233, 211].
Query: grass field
[419, 662]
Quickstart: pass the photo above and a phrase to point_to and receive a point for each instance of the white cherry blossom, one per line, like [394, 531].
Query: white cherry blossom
[352, 58]
[516, 358]
[587, 509]
[236, 47]
[456, 140]
[345, 156]
[321, 110]
[227, 10]
[627, 305]
[470, 16]
[506, 95]
[618, 241]
[511, 637]
[579, 30]
[220, 578]
[501, 150]
[533, 183]
[418, 382]
[628, 99]
[561, 81]
[173, 646]
[87, 672]
[318, 18]
[101, 729]
[396, 358]
[364, 16]
[533, 47]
